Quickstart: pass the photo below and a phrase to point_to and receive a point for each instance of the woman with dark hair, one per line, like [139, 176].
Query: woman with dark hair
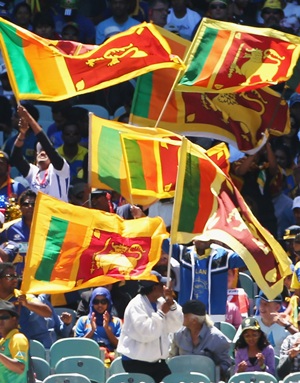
[253, 351]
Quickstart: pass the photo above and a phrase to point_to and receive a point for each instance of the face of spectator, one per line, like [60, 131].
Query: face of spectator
[296, 212]
[8, 282]
[100, 304]
[119, 8]
[99, 202]
[251, 337]
[42, 159]
[45, 31]
[71, 135]
[158, 15]
[218, 11]
[70, 33]
[23, 16]
[27, 208]
[179, 4]
[266, 308]
[3, 167]
[272, 16]
[7, 322]
[281, 158]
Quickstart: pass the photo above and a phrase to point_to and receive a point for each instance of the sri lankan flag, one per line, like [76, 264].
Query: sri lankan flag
[51, 70]
[227, 57]
[73, 247]
[207, 202]
[151, 164]
[106, 160]
[243, 120]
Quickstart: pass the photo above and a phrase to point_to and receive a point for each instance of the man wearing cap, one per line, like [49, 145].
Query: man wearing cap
[296, 210]
[148, 320]
[199, 336]
[272, 14]
[14, 346]
[158, 12]
[272, 323]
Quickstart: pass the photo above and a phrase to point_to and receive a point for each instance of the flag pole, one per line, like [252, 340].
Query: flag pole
[177, 202]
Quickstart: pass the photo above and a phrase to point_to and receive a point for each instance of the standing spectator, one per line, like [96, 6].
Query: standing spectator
[51, 175]
[158, 12]
[71, 150]
[14, 238]
[200, 337]
[119, 22]
[8, 187]
[14, 350]
[183, 18]
[253, 351]
[149, 319]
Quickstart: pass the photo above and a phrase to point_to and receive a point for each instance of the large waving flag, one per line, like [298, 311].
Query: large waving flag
[151, 165]
[214, 207]
[227, 57]
[243, 120]
[106, 161]
[71, 247]
[51, 70]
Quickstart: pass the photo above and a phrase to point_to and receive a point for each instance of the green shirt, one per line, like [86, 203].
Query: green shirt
[16, 346]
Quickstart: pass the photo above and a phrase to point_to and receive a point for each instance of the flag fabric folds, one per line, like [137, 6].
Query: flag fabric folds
[51, 70]
[106, 161]
[206, 201]
[71, 247]
[151, 165]
[243, 120]
[227, 57]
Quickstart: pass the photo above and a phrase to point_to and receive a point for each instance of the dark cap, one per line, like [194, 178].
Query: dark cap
[4, 156]
[10, 307]
[194, 307]
[291, 232]
[160, 279]
[277, 299]
[250, 324]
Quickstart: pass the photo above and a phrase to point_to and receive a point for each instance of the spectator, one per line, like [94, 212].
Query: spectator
[120, 21]
[70, 32]
[14, 351]
[289, 356]
[218, 10]
[296, 210]
[22, 15]
[149, 319]
[14, 237]
[71, 151]
[200, 337]
[183, 18]
[44, 26]
[99, 324]
[253, 351]
[8, 187]
[32, 311]
[51, 175]
[158, 12]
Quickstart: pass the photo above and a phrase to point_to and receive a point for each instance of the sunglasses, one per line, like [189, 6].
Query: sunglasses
[28, 204]
[5, 317]
[100, 301]
[272, 11]
[10, 277]
[218, 6]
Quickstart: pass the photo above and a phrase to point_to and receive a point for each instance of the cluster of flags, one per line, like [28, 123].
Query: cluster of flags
[217, 86]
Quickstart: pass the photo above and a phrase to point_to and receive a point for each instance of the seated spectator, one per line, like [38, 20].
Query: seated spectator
[119, 22]
[253, 351]
[70, 32]
[183, 18]
[51, 175]
[200, 337]
[71, 151]
[44, 26]
[99, 324]
[289, 355]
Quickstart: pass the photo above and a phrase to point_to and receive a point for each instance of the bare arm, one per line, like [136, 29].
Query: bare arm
[12, 364]
[37, 307]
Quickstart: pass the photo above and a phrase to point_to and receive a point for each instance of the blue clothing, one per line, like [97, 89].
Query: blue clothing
[18, 233]
[83, 327]
[205, 278]
[85, 26]
[110, 27]
[16, 188]
[28, 148]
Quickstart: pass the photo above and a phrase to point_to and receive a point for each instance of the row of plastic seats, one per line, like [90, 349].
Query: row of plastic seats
[46, 118]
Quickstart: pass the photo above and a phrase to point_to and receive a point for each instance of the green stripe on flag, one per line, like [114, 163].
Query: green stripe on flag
[22, 70]
[142, 96]
[54, 241]
[135, 164]
[110, 157]
[190, 195]
[195, 67]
